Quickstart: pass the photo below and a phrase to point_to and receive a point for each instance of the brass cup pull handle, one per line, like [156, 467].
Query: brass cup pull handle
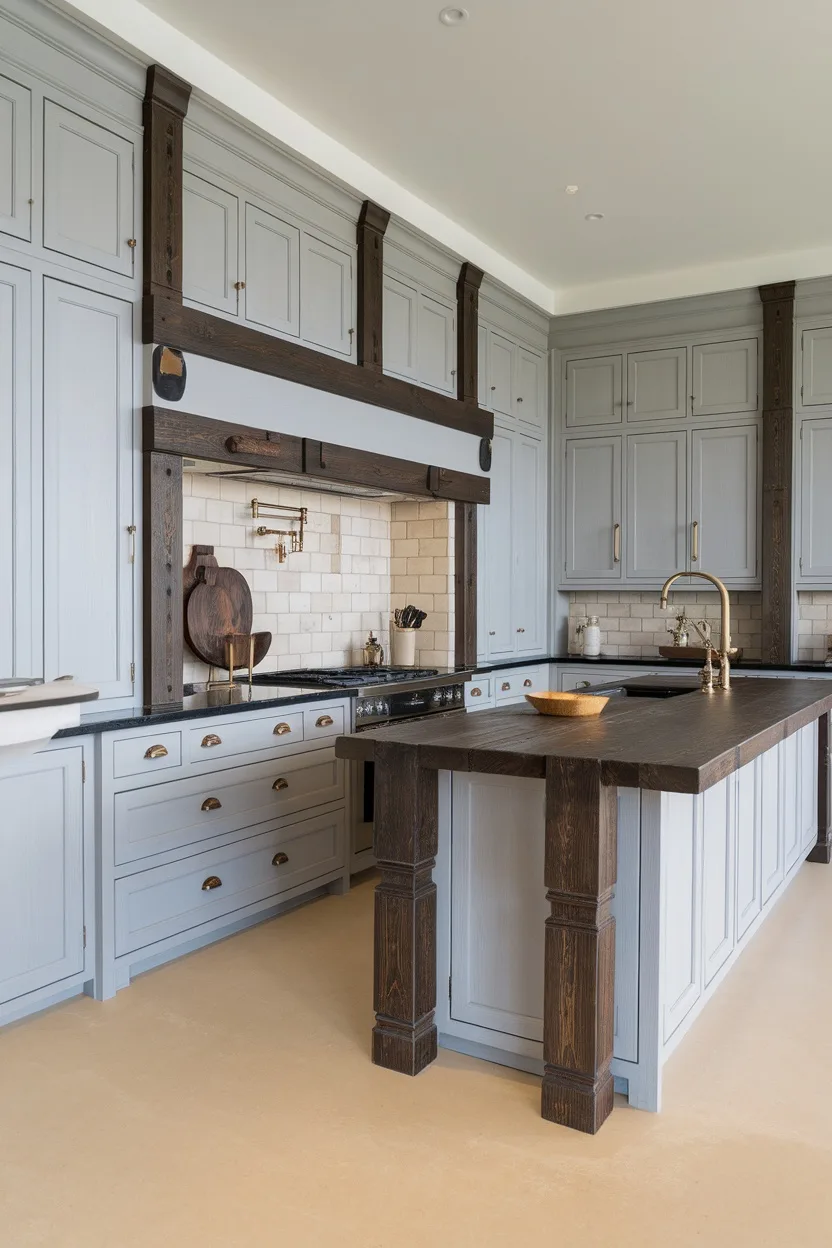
[527, 684]
[694, 540]
[213, 881]
[280, 859]
[616, 543]
[476, 693]
[325, 721]
[505, 685]
[211, 739]
[211, 803]
[280, 783]
[281, 730]
[156, 751]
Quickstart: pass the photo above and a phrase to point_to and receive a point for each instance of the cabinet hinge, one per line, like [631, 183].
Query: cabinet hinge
[85, 935]
[800, 562]
[801, 393]
[83, 772]
[801, 431]
[132, 673]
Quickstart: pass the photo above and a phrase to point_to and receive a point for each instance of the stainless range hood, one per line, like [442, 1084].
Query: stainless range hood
[270, 476]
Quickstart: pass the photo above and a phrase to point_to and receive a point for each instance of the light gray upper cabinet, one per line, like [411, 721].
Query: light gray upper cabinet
[400, 331]
[210, 240]
[816, 376]
[501, 377]
[512, 379]
[88, 494]
[593, 391]
[656, 504]
[88, 209]
[482, 366]
[272, 272]
[816, 500]
[437, 343]
[657, 384]
[326, 295]
[724, 501]
[530, 387]
[419, 335]
[15, 159]
[21, 648]
[724, 378]
[41, 872]
[593, 509]
[494, 552]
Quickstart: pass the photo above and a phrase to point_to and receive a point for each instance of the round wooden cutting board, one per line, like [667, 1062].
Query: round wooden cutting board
[219, 604]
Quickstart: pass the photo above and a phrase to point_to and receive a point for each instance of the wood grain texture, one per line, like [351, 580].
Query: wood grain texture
[405, 842]
[467, 320]
[822, 851]
[162, 580]
[778, 429]
[165, 106]
[465, 583]
[372, 223]
[168, 321]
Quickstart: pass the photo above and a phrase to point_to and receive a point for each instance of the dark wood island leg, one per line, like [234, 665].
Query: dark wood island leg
[822, 851]
[580, 871]
[405, 843]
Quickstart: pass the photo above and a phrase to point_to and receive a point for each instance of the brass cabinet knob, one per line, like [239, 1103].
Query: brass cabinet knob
[324, 722]
[280, 859]
[211, 803]
[505, 685]
[280, 783]
[211, 739]
[519, 399]
[213, 881]
[281, 730]
[493, 387]
[131, 242]
[156, 751]
[239, 285]
[583, 684]
[476, 693]
[527, 684]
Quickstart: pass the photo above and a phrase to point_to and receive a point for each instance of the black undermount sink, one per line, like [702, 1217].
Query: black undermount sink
[641, 688]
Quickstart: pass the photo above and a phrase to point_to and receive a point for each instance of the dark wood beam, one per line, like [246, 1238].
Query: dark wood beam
[168, 321]
[372, 224]
[778, 429]
[465, 583]
[165, 106]
[467, 325]
[162, 599]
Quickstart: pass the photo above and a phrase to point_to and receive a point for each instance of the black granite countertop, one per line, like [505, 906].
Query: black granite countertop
[579, 660]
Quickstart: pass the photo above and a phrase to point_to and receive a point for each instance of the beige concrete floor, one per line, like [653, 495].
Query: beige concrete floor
[228, 1101]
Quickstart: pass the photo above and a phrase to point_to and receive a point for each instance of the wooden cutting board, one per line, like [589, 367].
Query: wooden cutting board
[219, 604]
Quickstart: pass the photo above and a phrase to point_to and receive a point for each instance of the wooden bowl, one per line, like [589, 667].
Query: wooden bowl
[569, 704]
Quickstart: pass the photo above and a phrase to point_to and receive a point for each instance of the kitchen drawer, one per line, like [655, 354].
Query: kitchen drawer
[137, 756]
[516, 684]
[326, 721]
[221, 740]
[479, 691]
[184, 812]
[165, 901]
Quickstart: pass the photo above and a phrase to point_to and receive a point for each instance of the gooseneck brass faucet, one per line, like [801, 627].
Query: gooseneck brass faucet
[724, 681]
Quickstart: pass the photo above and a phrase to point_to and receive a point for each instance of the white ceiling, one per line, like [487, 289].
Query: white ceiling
[701, 130]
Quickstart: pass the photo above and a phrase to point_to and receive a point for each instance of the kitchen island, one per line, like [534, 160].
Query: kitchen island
[716, 778]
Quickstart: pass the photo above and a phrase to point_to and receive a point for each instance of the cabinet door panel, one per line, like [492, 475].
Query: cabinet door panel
[495, 552]
[272, 272]
[593, 508]
[681, 889]
[483, 393]
[717, 875]
[41, 872]
[15, 159]
[656, 504]
[593, 391]
[531, 388]
[725, 500]
[87, 190]
[657, 384]
[501, 374]
[400, 330]
[326, 295]
[437, 344]
[528, 524]
[771, 822]
[808, 785]
[21, 571]
[789, 794]
[209, 240]
[816, 378]
[749, 881]
[88, 448]
[725, 377]
[626, 911]
[816, 500]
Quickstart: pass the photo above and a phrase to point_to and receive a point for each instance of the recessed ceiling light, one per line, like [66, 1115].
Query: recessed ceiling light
[594, 216]
[453, 16]
[571, 190]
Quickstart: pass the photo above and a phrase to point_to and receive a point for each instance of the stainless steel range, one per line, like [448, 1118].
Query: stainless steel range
[386, 694]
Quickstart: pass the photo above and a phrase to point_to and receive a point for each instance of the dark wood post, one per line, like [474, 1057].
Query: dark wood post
[579, 975]
[778, 423]
[467, 322]
[465, 583]
[165, 106]
[372, 224]
[162, 604]
[405, 842]
[822, 851]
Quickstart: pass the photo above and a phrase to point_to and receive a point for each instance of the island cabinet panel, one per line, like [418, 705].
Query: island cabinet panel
[682, 915]
[41, 872]
[210, 236]
[749, 882]
[88, 492]
[816, 501]
[772, 833]
[718, 865]
[593, 509]
[656, 504]
[15, 159]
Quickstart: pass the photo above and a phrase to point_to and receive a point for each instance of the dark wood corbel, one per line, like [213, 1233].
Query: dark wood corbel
[467, 327]
[372, 223]
[165, 107]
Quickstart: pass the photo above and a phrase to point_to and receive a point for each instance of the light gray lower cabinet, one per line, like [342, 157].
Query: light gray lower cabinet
[724, 501]
[816, 501]
[816, 370]
[42, 917]
[593, 509]
[15, 159]
[210, 229]
[656, 504]
[88, 487]
[21, 570]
